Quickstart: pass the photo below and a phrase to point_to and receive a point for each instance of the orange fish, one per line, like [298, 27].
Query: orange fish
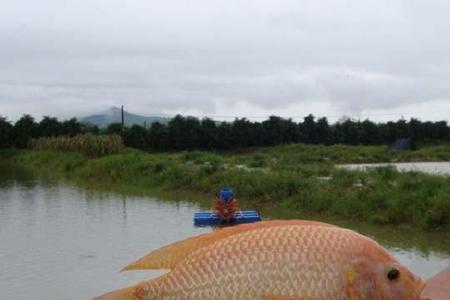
[167, 257]
[275, 260]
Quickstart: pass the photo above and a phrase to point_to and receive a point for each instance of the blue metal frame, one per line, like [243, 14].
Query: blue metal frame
[242, 216]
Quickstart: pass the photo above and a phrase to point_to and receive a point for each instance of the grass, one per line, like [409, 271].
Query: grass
[291, 180]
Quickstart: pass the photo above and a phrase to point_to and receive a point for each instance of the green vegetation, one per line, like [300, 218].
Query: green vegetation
[288, 180]
[89, 144]
[189, 133]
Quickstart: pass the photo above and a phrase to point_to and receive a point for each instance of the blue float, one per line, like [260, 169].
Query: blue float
[205, 218]
[225, 213]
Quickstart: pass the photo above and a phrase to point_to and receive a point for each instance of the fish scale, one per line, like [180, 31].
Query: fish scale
[287, 261]
[270, 258]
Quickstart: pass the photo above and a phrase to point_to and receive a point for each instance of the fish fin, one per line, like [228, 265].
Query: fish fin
[168, 256]
[273, 297]
[150, 290]
[123, 294]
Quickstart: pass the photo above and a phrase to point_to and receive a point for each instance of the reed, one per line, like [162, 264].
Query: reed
[88, 144]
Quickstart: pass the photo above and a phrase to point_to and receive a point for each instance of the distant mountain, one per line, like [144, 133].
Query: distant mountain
[114, 115]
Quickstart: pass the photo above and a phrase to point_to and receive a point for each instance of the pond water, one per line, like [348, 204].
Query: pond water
[436, 168]
[59, 241]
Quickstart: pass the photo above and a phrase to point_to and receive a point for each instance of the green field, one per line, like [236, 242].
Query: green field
[288, 180]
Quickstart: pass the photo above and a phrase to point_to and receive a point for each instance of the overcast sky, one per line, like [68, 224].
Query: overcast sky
[384, 59]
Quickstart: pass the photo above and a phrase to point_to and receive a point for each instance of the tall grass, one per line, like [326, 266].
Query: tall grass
[88, 144]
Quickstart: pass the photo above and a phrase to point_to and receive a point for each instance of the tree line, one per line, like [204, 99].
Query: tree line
[189, 133]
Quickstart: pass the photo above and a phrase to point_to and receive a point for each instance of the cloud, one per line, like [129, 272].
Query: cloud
[249, 57]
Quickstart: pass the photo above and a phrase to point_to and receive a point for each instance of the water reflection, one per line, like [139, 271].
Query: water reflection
[124, 207]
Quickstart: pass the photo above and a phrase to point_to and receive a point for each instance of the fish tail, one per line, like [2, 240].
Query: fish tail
[146, 290]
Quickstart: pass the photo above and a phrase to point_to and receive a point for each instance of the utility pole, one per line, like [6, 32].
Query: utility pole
[123, 123]
[122, 117]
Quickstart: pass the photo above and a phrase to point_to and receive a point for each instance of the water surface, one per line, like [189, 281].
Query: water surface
[59, 241]
[435, 168]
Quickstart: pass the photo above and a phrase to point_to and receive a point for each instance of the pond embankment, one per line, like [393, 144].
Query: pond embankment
[287, 181]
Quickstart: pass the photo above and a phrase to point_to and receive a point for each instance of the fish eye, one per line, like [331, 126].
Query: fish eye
[393, 274]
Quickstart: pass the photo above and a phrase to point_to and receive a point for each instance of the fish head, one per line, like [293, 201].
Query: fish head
[382, 281]
[397, 282]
